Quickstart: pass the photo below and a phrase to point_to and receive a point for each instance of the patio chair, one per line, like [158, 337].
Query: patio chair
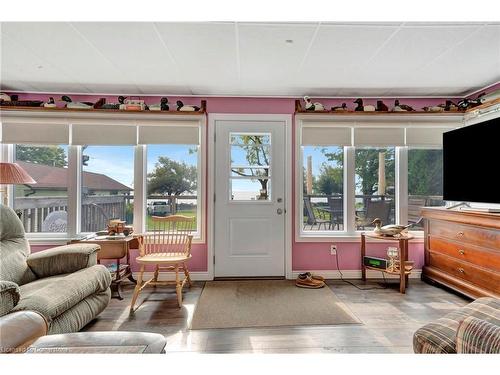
[336, 211]
[167, 247]
[312, 220]
[374, 209]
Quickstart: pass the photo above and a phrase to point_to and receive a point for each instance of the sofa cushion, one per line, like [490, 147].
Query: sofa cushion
[477, 336]
[9, 296]
[14, 249]
[440, 336]
[52, 296]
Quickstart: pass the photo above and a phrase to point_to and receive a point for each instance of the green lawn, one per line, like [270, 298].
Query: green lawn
[190, 213]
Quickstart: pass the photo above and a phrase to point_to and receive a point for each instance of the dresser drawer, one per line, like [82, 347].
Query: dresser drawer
[467, 253]
[466, 271]
[484, 237]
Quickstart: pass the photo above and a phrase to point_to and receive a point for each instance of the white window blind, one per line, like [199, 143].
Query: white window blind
[379, 137]
[185, 134]
[34, 133]
[425, 136]
[326, 135]
[104, 134]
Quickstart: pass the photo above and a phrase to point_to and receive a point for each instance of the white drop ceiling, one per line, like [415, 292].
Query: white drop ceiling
[251, 59]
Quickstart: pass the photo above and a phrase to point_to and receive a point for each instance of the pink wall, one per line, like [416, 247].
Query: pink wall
[305, 255]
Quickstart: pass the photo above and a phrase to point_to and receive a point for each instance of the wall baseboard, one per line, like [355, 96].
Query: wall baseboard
[356, 274]
[327, 274]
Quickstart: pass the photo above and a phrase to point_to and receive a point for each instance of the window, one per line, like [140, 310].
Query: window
[42, 207]
[375, 186]
[250, 177]
[425, 182]
[107, 186]
[173, 182]
[322, 188]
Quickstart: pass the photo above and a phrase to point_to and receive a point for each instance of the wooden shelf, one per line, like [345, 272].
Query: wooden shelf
[388, 238]
[203, 109]
[387, 271]
[299, 110]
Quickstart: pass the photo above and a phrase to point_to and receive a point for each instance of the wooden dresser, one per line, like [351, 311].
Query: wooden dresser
[462, 251]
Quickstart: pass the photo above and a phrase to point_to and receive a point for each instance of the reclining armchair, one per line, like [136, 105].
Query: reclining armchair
[65, 285]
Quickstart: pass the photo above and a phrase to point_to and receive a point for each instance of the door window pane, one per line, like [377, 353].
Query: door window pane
[107, 186]
[323, 184]
[250, 174]
[172, 182]
[42, 207]
[375, 186]
[425, 182]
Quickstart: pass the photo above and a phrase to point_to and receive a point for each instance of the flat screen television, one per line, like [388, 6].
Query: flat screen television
[471, 163]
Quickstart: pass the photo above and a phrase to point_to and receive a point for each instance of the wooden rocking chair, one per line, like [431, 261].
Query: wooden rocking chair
[167, 247]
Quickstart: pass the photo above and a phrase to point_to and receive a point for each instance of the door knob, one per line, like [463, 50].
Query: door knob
[279, 200]
[279, 211]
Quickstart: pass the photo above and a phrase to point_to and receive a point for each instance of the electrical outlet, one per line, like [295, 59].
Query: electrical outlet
[333, 249]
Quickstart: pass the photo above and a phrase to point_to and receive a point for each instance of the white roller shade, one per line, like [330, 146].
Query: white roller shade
[379, 137]
[34, 133]
[185, 134]
[324, 136]
[104, 134]
[425, 136]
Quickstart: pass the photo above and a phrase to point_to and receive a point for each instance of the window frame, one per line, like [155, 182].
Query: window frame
[350, 234]
[7, 153]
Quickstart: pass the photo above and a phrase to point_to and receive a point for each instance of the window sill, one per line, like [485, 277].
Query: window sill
[57, 241]
[348, 237]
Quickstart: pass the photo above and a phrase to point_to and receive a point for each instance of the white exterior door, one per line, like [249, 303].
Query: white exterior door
[249, 222]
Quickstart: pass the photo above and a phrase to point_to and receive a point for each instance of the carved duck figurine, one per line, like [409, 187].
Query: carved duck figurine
[80, 105]
[433, 108]
[398, 107]
[50, 103]
[162, 106]
[381, 107]
[340, 108]
[390, 230]
[310, 106]
[186, 107]
[363, 108]
[448, 106]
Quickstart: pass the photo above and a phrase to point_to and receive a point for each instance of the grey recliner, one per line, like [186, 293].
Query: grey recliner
[63, 284]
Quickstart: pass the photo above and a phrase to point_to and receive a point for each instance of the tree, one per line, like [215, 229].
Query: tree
[256, 154]
[329, 180]
[171, 177]
[46, 155]
[366, 166]
[425, 172]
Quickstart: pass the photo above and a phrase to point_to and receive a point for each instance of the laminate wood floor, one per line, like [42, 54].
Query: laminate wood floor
[388, 321]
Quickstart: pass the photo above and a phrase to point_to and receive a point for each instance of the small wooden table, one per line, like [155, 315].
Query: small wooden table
[115, 249]
[403, 257]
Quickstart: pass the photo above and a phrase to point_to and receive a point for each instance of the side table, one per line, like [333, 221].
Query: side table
[403, 258]
[115, 249]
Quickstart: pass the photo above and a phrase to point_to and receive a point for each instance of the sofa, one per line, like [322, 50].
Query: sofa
[472, 329]
[65, 285]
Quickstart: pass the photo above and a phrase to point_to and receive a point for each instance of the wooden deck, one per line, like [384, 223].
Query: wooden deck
[389, 320]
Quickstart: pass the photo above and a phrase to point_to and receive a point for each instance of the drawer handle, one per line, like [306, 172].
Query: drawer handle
[461, 270]
[461, 252]
[460, 234]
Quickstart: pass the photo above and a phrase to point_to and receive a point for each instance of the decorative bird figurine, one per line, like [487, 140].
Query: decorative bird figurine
[381, 107]
[448, 106]
[5, 97]
[310, 106]
[390, 230]
[434, 108]
[363, 108]
[340, 108]
[401, 107]
[186, 107]
[72, 104]
[50, 103]
[162, 106]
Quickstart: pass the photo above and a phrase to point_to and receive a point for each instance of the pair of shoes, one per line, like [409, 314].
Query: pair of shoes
[307, 280]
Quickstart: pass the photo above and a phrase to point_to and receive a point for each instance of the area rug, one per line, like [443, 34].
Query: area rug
[267, 303]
